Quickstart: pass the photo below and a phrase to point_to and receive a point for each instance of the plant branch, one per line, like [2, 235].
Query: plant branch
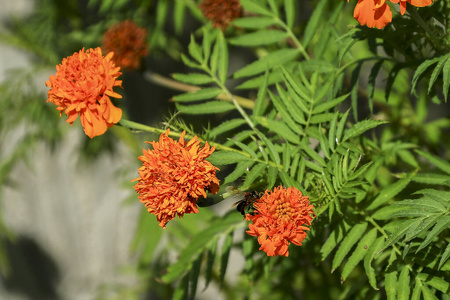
[175, 85]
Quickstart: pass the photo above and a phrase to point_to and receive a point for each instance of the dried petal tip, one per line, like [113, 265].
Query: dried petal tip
[128, 42]
[173, 176]
[221, 12]
[281, 218]
[82, 86]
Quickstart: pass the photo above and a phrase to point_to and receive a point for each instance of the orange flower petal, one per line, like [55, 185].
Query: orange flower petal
[373, 13]
[221, 12]
[81, 87]
[128, 42]
[279, 219]
[173, 176]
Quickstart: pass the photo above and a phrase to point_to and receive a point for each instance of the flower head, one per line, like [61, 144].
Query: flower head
[173, 176]
[82, 86]
[128, 42]
[221, 12]
[376, 13]
[280, 218]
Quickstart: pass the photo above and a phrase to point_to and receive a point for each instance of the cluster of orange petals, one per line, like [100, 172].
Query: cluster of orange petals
[82, 86]
[128, 42]
[377, 13]
[221, 12]
[280, 218]
[174, 175]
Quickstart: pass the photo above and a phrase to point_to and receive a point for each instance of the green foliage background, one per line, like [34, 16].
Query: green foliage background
[356, 118]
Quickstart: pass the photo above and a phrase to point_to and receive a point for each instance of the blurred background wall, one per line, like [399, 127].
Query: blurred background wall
[71, 229]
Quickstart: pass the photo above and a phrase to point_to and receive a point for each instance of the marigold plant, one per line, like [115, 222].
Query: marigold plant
[281, 217]
[174, 175]
[128, 42]
[298, 107]
[82, 86]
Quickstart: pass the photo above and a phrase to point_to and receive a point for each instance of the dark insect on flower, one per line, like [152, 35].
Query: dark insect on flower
[245, 206]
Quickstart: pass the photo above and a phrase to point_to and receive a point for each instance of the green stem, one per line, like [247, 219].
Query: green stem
[175, 85]
[141, 127]
[292, 36]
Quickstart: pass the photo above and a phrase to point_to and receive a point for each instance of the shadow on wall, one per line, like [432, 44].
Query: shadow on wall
[32, 272]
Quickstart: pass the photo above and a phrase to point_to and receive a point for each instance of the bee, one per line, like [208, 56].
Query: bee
[245, 206]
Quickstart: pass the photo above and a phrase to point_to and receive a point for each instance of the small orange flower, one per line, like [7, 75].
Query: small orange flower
[82, 86]
[376, 13]
[418, 3]
[128, 42]
[280, 218]
[174, 174]
[221, 12]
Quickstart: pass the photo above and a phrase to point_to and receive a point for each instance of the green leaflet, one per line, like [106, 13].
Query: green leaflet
[239, 171]
[335, 238]
[259, 38]
[370, 255]
[221, 158]
[256, 7]
[275, 58]
[359, 253]
[203, 94]
[199, 242]
[351, 238]
[329, 104]
[210, 107]
[440, 65]
[420, 70]
[254, 173]
[403, 284]
[390, 281]
[226, 127]
[254, 22]
[224, 256]
[314, 22]
[437, 161]
[390, 191]
[280, 128]
[289, 9]
[361, 127]
[260, 102]
[435, 282]
[193, 78]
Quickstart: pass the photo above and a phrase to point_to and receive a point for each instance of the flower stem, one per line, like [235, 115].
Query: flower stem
[141, 127]
[175, 85]
[292, 36]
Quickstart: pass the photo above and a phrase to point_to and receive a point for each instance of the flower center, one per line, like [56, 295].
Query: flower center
[283, 211]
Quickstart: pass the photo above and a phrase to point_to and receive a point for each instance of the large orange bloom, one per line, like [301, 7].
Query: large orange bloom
[173, 176]
[280, 218]
[373, 13]
[128, 42]
[82, 86]
[376, 13]
[221, 12]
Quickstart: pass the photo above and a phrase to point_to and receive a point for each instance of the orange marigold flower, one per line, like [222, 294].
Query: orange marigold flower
[82, 86]
[376, 13]
[280, 218]
[128, 42]
[174, 174]
[418, 3]
[221, 12]
[373, 13]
